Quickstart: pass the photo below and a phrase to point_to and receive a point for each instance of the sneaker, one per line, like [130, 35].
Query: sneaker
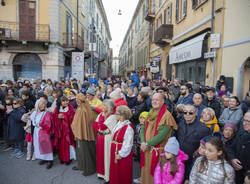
[137, 180]
[19, 154]
[13, 153]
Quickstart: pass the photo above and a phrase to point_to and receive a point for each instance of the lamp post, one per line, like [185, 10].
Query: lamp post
[92, 27]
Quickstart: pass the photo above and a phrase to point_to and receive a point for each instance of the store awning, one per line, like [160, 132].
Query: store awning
[188, 50]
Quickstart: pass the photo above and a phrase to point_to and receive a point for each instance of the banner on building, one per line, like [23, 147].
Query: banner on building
[78, 65]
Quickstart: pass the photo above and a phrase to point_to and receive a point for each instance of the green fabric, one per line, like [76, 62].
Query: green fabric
[161, 135]
[142, 132]
[152, 116]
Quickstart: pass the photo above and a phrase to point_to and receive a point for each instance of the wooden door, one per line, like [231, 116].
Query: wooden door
[27, 20]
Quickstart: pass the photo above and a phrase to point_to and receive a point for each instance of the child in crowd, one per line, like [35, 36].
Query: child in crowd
[171, 168]
[28, 137]
[228, 134]
[214, 166]
[137, 143]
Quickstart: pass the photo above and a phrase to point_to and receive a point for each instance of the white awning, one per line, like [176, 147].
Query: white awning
[188, 50]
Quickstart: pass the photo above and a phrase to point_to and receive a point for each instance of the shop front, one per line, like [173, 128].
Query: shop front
[188, 59]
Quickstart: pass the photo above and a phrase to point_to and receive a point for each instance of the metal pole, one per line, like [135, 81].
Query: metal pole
[212, 31]
[77, 17]
[91, 62]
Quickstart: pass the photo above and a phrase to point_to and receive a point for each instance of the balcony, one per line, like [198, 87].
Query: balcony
[163, 35]
[16, 32]
[71, 42]
[150, 16]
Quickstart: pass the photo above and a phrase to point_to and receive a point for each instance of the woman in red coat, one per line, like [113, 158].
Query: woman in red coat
[121, 154]
[65, 143]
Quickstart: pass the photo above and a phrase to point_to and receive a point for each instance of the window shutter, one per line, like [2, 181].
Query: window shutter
[177, 11]
[170, 14]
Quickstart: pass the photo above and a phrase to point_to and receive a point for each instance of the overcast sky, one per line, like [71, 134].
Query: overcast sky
[118, 24]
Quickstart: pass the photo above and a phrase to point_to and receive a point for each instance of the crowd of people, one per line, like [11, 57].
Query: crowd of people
[179, 131]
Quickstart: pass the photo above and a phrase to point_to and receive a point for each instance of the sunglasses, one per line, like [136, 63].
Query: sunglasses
[188, 112]
[15, 103]
[183, 89]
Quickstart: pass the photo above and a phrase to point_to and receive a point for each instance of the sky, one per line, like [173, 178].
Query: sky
[118, 24]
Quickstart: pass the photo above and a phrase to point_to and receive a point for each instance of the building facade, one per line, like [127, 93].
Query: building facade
[134, 51]
[194, 41]
[38, 37]
[99, 35]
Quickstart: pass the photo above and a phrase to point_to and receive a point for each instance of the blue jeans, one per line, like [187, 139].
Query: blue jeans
[19, 145]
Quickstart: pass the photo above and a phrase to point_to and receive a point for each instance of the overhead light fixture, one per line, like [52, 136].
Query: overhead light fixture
[3, 3]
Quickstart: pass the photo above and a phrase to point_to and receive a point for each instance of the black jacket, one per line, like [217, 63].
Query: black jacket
[132, 101]
[29, 104]
[245, 106]
[15, 125]
[240, 149]
[214, 104]
[137, 110]
[189, 136]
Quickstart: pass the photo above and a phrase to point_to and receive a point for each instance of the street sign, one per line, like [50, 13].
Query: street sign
[209, 55]
[154, 69]
[78, 65]
[215, 41]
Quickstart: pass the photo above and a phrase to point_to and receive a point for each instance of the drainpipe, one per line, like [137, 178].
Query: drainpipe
[77, 7]
[214, 50]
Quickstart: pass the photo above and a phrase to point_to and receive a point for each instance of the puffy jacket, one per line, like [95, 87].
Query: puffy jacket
[214, 173]
[245, 106]
[137, 110]
[93, 80]
[231, 115]
[135, 79]
[164, 176]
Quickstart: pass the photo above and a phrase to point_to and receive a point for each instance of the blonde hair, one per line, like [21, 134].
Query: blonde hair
[124, 111]
[210, 111]
[48, 90]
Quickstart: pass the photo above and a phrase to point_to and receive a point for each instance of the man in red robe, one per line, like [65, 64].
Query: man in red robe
[64, 115]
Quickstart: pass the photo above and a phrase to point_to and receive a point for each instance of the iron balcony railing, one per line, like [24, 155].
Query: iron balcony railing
[72, 40]
[163, 35]
[29, 32]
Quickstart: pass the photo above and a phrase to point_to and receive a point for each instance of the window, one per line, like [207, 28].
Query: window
[160, 20]
[197, 3]
[170, 14]
[83, 7]
[181, 9]
[165, 16]
[184, 8]
[97, 20]
[160, 3]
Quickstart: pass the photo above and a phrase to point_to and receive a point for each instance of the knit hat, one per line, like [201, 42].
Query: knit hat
[143, 115]
[91, 91]
[172, 146]
[116, 94]
[231, 126]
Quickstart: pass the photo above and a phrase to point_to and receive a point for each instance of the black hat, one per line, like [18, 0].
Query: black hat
[210, 89]
[162, 88]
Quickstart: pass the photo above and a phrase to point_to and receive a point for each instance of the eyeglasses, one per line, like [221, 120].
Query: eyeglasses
[188, 112]
[183, 89]
[14, 103]
[245, 120]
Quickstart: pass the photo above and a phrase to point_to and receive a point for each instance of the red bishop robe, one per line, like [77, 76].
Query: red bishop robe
[99, 125]
[64, 134]
[121, 171]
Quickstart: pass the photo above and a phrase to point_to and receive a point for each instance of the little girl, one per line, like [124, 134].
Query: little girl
[171, 167]
[28, 138]
[214, 166]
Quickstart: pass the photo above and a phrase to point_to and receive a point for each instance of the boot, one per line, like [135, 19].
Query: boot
[49, 164]
[33, 156]
[29, 149]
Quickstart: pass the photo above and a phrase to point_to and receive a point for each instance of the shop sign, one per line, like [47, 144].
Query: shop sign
[78, 65]
[209, 55]
[154, 69]
[215, 41]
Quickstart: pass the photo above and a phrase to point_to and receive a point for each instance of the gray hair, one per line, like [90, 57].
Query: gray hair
[110, 104]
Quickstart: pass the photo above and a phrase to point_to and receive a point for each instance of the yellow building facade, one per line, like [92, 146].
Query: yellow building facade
[38, 37]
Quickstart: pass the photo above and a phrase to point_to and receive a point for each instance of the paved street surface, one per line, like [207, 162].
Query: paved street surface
[20, 171]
